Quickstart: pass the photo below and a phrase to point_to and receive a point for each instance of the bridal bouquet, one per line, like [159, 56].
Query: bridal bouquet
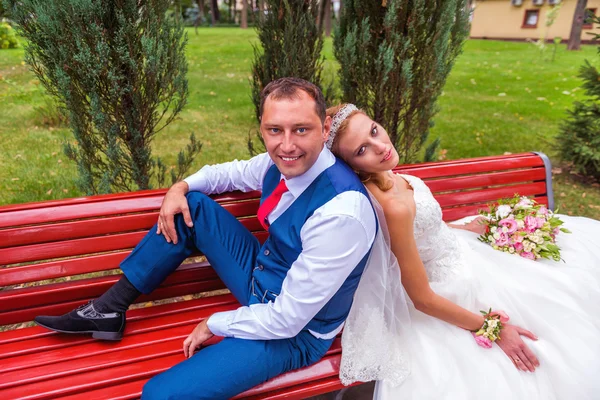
[521, 226]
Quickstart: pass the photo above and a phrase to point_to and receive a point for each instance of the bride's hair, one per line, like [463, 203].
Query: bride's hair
[365, 177]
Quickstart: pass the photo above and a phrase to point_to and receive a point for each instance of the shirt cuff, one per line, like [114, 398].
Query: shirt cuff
[218, 323]
[194, 183]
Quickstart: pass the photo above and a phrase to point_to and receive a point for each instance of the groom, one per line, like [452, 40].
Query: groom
[296, 290]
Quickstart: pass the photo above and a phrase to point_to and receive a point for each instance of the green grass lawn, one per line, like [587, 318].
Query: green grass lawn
[500, 97]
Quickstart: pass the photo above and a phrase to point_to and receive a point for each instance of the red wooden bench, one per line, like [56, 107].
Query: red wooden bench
[50, 250]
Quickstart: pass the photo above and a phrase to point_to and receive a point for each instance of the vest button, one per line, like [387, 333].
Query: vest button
[261, 267]
[267, 252]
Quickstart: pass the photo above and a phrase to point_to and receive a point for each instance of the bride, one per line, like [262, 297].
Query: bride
[422, 347]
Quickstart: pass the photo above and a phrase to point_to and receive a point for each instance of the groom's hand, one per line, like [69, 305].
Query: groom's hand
[174, 202]
[513, 346]
[199, 335]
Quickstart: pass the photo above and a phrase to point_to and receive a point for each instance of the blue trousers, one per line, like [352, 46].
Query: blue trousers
[233, 365]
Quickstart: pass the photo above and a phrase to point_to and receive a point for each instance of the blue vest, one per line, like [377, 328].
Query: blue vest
[284, 244]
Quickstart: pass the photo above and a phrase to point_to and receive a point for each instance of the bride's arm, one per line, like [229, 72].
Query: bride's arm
[399, 218]
[414, 278]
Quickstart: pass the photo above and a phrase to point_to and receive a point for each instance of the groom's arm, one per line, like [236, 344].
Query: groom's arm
[245, 175]
[334, 240]
[235, 175]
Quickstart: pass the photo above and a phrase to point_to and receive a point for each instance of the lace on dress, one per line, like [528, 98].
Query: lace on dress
[377, 328]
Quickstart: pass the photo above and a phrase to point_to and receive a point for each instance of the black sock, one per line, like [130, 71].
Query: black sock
[118, 298]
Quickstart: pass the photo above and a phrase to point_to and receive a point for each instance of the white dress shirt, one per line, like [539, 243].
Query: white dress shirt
[334, 240]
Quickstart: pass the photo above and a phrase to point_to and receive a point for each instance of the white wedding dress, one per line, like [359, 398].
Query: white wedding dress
[415, 356]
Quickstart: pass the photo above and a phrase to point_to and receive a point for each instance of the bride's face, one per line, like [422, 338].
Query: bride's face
[366, 146]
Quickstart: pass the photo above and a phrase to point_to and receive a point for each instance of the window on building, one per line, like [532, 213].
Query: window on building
[587, 20]
[531, 18]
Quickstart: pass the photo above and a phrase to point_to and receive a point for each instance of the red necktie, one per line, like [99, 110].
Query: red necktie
[270, 203]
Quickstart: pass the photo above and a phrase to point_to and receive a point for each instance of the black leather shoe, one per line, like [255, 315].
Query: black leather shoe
[85, 319]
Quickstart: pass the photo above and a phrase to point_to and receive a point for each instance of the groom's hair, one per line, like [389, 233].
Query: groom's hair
[287, 88]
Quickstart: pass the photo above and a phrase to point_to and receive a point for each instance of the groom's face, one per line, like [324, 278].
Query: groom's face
[293, 133]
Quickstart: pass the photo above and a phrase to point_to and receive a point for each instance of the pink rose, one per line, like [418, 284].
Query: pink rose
[482, 341]
[510, 224]
[540, 222]
[528, 254]
[519, 247]
[503, 316]
[502, 240]
[517, 239]
[543, 210]
[530, 223]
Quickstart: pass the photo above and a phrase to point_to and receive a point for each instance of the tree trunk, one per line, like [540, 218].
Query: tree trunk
[216, 10]
[578, 17]
[261, 10]
[321, 15]
[244, 20]
[200, 16]
[328, 4]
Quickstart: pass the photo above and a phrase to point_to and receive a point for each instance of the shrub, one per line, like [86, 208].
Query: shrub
[579, 139]
[8, 37]
[119, 69]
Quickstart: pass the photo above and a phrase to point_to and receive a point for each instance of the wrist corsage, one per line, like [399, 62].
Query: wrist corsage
[490, 330]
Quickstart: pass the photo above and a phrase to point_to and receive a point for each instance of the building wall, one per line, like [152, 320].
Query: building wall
[499, 19]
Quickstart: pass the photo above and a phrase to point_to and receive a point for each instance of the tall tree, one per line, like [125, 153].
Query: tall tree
[261, 9]
[200, 16]
[577, 25]
[215, 11]
[290, 45]
[394, 59]
[327, 17]
[119, 69]
[244, 18]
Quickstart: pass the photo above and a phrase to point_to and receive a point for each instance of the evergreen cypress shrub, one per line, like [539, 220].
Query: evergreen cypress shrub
[290, 45]
[578, 141]
[395, 56]
[119, 70]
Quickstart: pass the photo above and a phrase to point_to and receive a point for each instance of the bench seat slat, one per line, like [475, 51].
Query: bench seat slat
[141, 320]
[162, 292]
[58, 269]
[156, 363]
[133, 389]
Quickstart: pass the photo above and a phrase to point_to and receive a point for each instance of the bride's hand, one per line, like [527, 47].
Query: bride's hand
[476, 226]
[513, 346]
